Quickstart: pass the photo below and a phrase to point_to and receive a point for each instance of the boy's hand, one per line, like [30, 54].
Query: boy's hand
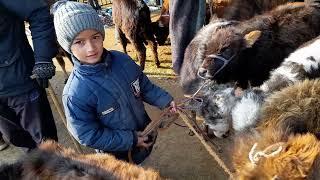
[143, 141]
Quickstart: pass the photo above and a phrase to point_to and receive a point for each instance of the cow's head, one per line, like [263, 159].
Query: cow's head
[195, 54]
[223, 50]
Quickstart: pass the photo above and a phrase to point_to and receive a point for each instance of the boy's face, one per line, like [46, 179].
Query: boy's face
[87, 47]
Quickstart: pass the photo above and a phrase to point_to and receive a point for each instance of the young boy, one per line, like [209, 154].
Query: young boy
[103, 98]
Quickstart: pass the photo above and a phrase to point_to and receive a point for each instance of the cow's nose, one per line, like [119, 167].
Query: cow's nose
[202, 72]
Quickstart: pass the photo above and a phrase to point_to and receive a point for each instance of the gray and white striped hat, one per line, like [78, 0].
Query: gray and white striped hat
[70, 18]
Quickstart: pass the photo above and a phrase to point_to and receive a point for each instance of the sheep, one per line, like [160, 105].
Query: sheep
[223, 108]
[215, 108]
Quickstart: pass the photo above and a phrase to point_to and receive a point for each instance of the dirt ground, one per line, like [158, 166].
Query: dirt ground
[176, 154]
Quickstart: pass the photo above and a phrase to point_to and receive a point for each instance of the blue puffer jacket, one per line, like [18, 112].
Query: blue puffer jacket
[104, 103]
[16, 55]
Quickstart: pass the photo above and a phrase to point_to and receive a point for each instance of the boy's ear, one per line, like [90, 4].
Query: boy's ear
[251, 38]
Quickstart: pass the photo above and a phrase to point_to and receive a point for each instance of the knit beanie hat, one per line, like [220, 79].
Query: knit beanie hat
[70, 18]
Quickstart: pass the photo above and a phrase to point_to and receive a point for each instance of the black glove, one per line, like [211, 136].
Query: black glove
[43, 72]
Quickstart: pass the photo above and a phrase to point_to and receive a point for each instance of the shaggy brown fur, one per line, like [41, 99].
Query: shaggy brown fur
[245, 9]
[133, 23]
[54, 162]
[295, 106]
[295, 109]
[295, 161]
[241, 9]
[218, 7]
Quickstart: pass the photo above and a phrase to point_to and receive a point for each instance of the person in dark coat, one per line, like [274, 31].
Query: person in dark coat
[25, 115]
[186, 18]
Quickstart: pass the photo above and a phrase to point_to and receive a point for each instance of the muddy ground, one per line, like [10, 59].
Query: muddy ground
[176, 154]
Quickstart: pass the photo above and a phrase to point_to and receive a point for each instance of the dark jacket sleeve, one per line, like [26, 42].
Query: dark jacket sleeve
[36, 13]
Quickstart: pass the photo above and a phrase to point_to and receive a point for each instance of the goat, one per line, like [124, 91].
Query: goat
[223, 107]
[133, 23]
[215, 107]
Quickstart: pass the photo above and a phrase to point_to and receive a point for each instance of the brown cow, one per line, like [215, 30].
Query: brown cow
[249, 50]
[133, 23]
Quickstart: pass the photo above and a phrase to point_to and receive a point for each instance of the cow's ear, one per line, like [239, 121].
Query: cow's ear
[251, 38]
